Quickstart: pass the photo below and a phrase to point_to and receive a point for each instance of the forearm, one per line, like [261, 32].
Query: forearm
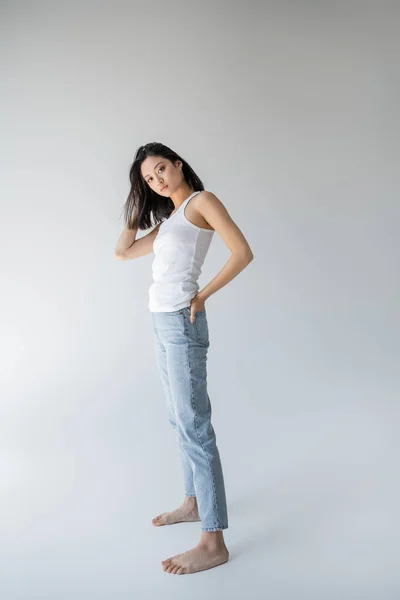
[125, 241]
[235, 264]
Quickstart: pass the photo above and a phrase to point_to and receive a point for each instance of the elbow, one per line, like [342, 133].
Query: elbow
[119, 255]
[243, 258]
[246, 256]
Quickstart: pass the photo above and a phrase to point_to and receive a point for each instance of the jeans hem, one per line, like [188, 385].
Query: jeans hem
[214, 528]
[190, 495]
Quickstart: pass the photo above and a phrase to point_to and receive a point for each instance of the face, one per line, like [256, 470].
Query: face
[159, 172]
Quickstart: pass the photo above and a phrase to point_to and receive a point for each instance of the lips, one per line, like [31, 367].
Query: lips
[165, 187]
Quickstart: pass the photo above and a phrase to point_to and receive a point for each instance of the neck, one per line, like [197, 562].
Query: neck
[179, 197]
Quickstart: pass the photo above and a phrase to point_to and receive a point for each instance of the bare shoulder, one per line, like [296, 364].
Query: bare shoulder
[195, 210]
[214, 212]
[208, 205]
[206, 197]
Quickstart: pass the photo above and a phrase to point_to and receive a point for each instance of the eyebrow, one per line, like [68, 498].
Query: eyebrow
[154, 167]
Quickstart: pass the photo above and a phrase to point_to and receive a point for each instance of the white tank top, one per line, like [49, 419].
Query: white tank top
[180, 248]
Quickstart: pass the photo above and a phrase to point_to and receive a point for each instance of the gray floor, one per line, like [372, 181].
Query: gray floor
[304, 523]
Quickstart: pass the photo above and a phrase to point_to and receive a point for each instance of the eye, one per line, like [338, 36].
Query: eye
[150, 178]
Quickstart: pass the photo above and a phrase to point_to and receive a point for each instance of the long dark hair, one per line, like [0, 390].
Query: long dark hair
[143, 202]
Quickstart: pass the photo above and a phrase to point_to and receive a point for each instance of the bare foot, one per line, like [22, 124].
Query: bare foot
[198, 559]
[185, 513]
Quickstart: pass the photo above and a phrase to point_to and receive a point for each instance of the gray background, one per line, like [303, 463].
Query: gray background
[288, 111]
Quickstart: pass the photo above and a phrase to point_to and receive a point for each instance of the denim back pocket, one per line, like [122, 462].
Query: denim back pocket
[201, 326]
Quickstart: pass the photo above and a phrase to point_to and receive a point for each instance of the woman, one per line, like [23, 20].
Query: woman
[165, 186]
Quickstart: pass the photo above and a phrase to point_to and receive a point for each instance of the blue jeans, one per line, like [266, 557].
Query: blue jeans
[181, 353]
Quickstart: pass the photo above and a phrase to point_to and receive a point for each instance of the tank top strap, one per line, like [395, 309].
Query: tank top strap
[188, 199]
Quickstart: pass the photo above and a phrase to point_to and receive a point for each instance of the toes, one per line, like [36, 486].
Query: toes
[171, 565]
[166, 563]
[157, 520]
[170, 568]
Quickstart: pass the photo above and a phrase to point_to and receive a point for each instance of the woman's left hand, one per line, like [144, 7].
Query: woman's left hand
[197, 303]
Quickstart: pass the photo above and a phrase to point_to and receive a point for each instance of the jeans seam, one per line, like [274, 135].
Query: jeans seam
[197, 432]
